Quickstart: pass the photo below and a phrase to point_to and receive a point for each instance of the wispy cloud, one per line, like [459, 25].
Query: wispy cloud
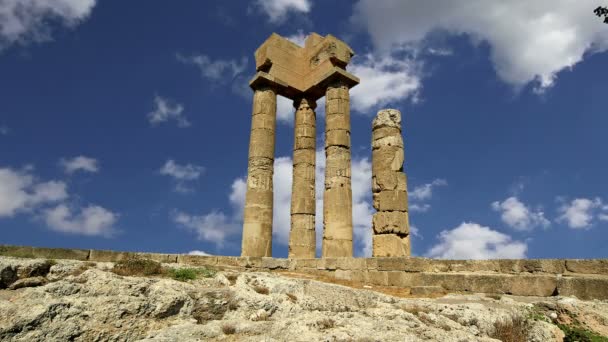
[518, 216]
[278, 10]
[79, 163]
[216, 70]
[421, 193]
[182, 174]
[165, 110]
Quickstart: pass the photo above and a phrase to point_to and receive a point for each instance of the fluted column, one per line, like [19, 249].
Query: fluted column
[302, 242]
[257, 219]
[337, 198]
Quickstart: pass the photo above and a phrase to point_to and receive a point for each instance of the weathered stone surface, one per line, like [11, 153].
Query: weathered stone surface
[391, 222]
[427, 291]
[28, 282]
[389, 141]
[383, 132]
[390, 200]
[389, 180]
[337, 248]
[338, 137]
[197, 260]
[389, 158]
[589, 287]
[592, 266]
[387, 118]
[110, 256]
[337, 121]
[388, 245]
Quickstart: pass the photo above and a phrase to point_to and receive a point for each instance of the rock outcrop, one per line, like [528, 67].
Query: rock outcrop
[79, 301]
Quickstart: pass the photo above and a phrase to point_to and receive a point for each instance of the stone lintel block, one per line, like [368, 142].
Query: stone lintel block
[392, 263]
[377, 278]
[60, 253]
[389, 158]
[337, 248]
[583, 287]
[591, 266]
[306, 263]
[390, 200]
[371, 263]
[249, 261]
[329, 264]
[389, 245]
[383, 132]
[416, 264]
[388, 141]
[351, 263]
[387, 118]
[158, 257]
[400, 278]
[337, 137]
[519, 285]
[337, 121]
[391, 222]
[359, 276]
[263, 80]
[229, 261]
[426, 291]
[275, 263]
[343, 275]
[197, 260]
[110, 256]
[474, 265]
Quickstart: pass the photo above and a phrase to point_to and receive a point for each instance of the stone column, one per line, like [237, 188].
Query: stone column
[337, 198]
[257, 219]
[302, 238]
[390, 222]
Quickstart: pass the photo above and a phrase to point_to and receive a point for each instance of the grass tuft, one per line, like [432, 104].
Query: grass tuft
[513, 330]
[228, 328]
[184, 274]
[261, 289]
[137, 267]
[577, 333]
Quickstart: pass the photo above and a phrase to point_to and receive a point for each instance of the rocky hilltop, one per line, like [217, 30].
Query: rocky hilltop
[65, 300]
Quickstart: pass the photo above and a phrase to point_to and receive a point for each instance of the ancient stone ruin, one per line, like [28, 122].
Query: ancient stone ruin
[391, 222]
[302, 74]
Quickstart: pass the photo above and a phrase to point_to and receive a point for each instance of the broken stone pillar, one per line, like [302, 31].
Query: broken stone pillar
[337, 199]
[391, 222]
[302, 243]
[257, 219]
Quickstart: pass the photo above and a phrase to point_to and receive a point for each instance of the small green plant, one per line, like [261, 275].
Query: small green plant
[184, 274]
[51, 262]
[577, 333]
[137, 267]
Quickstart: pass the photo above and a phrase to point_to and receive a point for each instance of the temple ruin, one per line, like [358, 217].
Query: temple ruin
[302, 74]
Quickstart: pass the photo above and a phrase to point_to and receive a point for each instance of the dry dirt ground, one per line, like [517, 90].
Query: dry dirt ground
[43, 300]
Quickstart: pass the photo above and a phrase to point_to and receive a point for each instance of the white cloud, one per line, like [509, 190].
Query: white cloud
[22, 21]
[298, 38]
[181, 174]
[166, 110]
[473, 241]
[385, 79]
[277, 10]
[92, 220]
[415, 232]
[19, 191]
[580, 212]
[215, 70]
[515, 214]
[529, 40]
[425, 191]
[4, 130]
[79, 163]
[200, 253]
[214, 227]
[422, 193]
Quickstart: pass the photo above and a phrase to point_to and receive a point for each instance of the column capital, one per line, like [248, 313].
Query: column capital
[312, 103]
[262, 80]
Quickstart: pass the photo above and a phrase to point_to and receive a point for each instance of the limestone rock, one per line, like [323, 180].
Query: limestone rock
[387, 118]
[28, 282]
[390, 200]
[389, 245]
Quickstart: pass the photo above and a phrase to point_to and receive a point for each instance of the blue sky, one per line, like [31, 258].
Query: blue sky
[125, 125]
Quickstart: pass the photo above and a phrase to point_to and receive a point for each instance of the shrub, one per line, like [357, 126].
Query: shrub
[577, 333]
[137, 267]
[183, 274]
[232, 277]
[513, 330]
[228, 328]
[326, 323]
[261, 289]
